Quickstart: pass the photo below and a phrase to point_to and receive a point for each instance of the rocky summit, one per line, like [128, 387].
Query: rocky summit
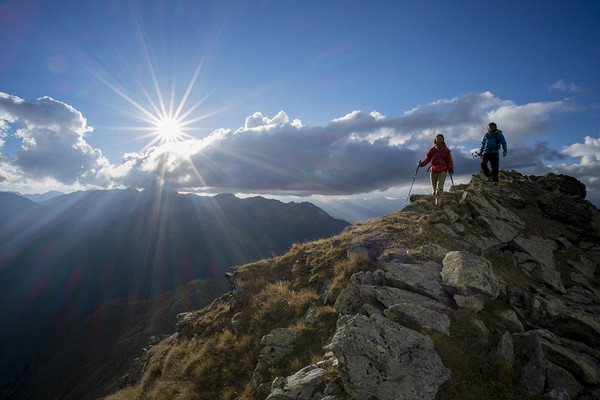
[494, 294]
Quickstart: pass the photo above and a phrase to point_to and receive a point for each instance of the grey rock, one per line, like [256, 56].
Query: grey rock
[300, 386]
[498, 228]
[433, 251]
[559, 378]
[358, 292]
[506, 348]
[564, 320]
[420, 278]
[564, 242]
[446, 230]
[481, 244]
[490, 208]
[475, 302]
[533, 375]
[558, 394]
[186, 319]
[511, 320]
[584, 266]
[410, 313]
[277, 344]
[389, 296]
[466, 274]
[542, 251]
[380, 358]
[580, 364]
[482, 328]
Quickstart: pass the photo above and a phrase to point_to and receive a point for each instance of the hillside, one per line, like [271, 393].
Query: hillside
[87, 278]
[495, 295]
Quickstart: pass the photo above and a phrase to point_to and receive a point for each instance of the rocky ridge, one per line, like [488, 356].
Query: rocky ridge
[494, 295]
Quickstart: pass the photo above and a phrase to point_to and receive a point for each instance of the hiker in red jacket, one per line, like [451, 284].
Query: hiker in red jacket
[441, 161]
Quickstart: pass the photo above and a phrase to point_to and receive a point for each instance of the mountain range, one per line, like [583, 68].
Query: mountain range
[127, 258]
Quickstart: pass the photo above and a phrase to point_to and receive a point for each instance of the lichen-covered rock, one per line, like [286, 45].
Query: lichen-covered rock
[466, 274]
[433, 251]
[381, 359]
[389, 296]
[277, 344]
[357, 293]
[511, 320]
[414, 314]
[580, 364]
[299, 386]
[420, 278]
[542, 251]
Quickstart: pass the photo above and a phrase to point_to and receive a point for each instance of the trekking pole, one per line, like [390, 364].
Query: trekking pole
[411, 185]
[455, 192]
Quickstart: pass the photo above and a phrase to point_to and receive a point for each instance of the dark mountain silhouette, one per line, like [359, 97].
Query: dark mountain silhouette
[73, 255]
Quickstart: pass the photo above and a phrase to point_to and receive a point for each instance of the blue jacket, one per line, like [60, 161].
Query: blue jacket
[492, 141]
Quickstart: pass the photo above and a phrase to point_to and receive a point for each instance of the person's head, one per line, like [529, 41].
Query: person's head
[492, 127]
[439, 139]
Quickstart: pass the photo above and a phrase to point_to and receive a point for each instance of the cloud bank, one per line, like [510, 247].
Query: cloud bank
[53, 146]
[357, 153]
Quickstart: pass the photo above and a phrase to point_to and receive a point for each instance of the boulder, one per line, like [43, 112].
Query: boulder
[579, 364]
[388, 296]
[423, 278]
[300, 386]
[277, 344]
[414, 314]
[511, 320]
[542, 251]
[533, 374]
[380, 359]
[465, 274]
[506, 348]
[558, 378]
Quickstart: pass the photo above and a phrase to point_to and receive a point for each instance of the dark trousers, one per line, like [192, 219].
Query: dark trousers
[494, 160]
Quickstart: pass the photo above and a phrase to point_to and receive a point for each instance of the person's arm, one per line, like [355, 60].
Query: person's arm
[504, 145]
[427, 158]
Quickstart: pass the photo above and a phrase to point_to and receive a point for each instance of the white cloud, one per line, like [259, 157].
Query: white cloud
[588, 168]
[257, 120]
[52, 141]
[357, 153]
[562, 86]
[589, 151]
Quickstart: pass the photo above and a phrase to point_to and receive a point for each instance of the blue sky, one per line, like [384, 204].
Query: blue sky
[291, 98]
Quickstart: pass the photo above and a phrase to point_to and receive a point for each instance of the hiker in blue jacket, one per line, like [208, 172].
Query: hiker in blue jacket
[492, 141]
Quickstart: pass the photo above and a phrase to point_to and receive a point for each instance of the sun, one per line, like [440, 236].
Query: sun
[169, 130]
[166, 122]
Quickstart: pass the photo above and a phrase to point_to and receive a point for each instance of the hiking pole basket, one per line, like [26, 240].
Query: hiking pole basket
[411, 185]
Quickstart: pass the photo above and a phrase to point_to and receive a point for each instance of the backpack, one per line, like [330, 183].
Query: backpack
[499, 145]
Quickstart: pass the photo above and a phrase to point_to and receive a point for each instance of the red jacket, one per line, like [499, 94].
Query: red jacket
[440, 158]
